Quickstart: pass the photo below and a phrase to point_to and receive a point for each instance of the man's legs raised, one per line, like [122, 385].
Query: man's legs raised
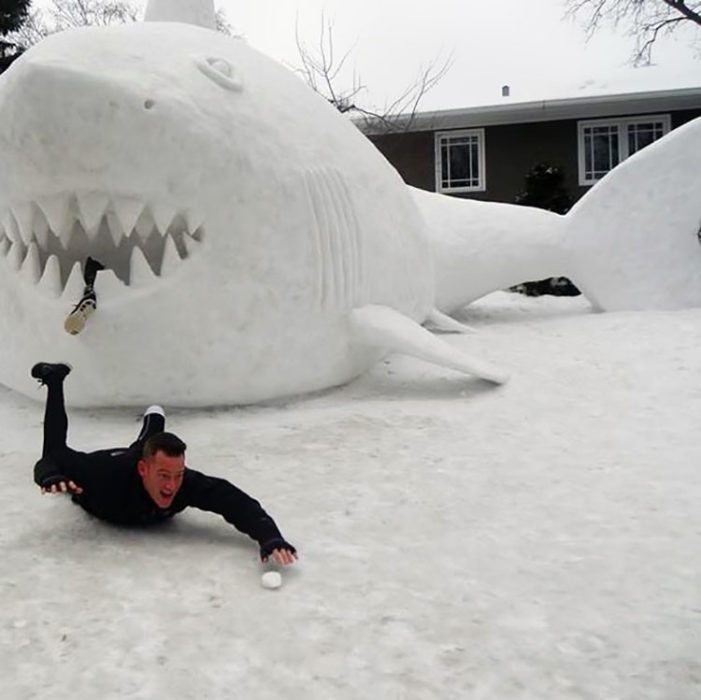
[55, 418]
[154, 422]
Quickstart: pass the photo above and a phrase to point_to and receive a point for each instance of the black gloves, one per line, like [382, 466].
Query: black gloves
[267, 548]
[53, 481]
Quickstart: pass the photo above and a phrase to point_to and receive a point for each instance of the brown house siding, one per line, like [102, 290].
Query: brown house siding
[510, 151]
[412, 154]
[679, 118]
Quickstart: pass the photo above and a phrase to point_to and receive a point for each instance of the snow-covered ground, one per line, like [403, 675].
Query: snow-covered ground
[538, 540]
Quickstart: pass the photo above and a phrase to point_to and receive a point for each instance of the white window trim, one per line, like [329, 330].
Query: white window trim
[621, 125]
[482, 186]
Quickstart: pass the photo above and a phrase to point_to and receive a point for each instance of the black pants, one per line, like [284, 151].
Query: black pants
[57, 458]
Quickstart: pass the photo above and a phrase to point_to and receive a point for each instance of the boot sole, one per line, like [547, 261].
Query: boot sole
[76, 320]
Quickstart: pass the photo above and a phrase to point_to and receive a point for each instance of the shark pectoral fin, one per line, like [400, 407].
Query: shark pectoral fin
[384, 327]
[437, 320]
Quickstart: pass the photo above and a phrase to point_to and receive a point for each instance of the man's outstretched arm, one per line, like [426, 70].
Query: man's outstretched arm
[52, 479]
[238, 508]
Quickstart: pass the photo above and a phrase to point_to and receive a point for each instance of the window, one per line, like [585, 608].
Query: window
[460, 161]
[603, 144]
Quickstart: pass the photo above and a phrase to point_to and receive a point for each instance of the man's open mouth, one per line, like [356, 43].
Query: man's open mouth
[48, 239]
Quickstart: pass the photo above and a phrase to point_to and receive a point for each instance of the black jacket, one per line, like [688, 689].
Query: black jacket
[113, 491]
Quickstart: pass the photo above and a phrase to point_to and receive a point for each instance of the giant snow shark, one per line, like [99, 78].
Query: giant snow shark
[256, 244]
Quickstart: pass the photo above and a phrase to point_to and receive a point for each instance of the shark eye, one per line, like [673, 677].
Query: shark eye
[221, 72]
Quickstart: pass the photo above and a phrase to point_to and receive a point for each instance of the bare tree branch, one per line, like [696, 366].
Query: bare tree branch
[65, 14]
[644, 52]
[321, 71]
[646, 20]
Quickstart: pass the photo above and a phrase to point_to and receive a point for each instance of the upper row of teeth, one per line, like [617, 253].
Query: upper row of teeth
[45, 271]
[33, 220]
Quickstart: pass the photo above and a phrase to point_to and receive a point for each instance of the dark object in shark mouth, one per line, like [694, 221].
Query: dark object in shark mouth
[47, 240]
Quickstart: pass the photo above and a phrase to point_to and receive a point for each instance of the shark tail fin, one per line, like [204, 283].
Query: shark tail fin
[634, 237]
[384, 327]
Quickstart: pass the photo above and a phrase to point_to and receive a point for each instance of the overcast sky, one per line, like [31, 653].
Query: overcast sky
[527, 44]
[524, 43]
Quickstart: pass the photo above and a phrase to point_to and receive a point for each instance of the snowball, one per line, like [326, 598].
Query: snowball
[271, 579]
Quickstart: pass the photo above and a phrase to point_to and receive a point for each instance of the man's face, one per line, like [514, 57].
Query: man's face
[162, 476]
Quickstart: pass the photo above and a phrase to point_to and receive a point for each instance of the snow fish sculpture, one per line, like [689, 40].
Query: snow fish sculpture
[256, 244]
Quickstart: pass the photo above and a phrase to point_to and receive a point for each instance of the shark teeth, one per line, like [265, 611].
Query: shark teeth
[16, 255]
[41, 229]
[163, 217]
[56, 211]
[141, 274]
[170, 258]
[10, 228]
[74, 285]
[50, 281]
[127, 211]
[31, 265]
[92, 207]
[23, 217]
[47, 240]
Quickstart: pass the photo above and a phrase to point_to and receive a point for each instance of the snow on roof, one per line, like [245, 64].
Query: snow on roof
[628, 91]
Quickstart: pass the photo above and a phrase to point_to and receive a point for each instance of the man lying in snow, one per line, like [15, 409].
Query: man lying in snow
[146, 482]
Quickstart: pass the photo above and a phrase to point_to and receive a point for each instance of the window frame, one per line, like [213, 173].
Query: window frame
[481, 160]
[621, 126]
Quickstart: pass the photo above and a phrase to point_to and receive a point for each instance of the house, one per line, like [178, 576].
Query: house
[485, 152]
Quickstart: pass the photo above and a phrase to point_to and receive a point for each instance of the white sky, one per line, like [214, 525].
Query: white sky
[528, 45]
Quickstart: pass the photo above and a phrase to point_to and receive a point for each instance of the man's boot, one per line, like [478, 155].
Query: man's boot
[78, 317]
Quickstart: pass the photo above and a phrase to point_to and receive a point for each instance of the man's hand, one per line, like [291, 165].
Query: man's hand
[283, 557]
[60, 484]
[282, 553]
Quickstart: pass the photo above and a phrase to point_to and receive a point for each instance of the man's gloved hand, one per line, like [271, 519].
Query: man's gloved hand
[60, 484]
[282, 552]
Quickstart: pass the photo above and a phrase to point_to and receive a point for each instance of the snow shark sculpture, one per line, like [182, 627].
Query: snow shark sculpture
[257, 244]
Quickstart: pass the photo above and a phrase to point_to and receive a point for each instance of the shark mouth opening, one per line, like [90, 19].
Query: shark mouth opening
[48, 239]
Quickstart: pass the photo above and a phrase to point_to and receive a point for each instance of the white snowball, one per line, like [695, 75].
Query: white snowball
[271, 579]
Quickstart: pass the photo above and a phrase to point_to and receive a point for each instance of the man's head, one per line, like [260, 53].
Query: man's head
[162, 467]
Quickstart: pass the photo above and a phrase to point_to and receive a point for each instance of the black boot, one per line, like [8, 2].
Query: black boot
[92, 267]
[50, 372]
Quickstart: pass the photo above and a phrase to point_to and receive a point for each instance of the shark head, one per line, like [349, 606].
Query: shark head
[118, 147]
[194, 169]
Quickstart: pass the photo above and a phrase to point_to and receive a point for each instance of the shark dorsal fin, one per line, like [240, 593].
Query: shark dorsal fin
[198, 12]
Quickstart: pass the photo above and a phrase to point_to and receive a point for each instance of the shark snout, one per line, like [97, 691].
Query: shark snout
[69, 117]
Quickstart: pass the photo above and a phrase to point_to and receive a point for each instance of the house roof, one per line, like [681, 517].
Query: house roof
[506, 112]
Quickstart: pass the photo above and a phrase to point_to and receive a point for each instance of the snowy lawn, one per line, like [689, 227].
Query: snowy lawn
[457, 540]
